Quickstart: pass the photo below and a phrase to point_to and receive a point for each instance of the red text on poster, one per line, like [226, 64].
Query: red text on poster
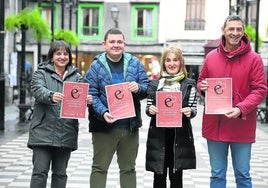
[218, 96]
[74, 102]
[169, 106]
[120, 101]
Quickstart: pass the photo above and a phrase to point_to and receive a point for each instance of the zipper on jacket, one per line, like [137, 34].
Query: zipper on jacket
[174, 152]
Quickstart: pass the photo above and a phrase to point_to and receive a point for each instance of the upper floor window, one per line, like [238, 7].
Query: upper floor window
[47, 14]
[144, 22]
[195, 15]
[89, 21]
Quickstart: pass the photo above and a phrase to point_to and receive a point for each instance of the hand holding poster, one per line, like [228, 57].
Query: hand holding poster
[120, 101]
[74, 102]
[169, 106]
[218, 97]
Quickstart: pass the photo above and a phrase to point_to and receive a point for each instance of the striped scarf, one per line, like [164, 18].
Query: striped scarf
[172, 81]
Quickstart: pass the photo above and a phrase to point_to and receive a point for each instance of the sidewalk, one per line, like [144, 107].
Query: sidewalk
[12, 128]
[16, 166]
[11, 113]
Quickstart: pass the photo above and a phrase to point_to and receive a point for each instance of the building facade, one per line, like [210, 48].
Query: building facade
[148, 25]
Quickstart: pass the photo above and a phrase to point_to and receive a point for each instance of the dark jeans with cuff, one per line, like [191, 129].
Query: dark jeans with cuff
[42, 158]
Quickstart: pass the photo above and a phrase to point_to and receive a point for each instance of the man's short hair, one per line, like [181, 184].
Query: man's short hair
[113, 31]
[233, 18]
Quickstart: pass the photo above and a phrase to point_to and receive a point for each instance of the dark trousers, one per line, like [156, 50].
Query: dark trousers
[175, 177]
[125, 144]
[42, 158]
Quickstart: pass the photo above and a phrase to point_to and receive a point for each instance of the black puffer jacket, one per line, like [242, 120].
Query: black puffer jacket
[47, 128]
[184, 150]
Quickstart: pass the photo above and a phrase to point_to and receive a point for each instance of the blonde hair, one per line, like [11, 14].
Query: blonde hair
[178, 53]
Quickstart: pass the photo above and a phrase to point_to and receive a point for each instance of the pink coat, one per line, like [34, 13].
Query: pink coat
[246, 69]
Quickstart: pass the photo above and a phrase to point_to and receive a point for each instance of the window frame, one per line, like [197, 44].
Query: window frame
[80, 34]
[56, 14]
[134, 18]
[195, 15]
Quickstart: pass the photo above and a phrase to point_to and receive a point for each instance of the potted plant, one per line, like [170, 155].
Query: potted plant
[27, 19]
[68, 36]
[251, 32]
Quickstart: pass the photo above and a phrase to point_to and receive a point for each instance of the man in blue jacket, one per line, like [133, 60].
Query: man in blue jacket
[108, 134]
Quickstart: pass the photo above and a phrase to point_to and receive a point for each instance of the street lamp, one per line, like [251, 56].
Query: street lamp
[2, 68]
[22, 70]
[236, 9]
[257, 27]
[248, 4]
[115, 14]
[257, 21]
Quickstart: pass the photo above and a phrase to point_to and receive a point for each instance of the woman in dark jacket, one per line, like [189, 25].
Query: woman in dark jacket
[50, 137]
[171, 150]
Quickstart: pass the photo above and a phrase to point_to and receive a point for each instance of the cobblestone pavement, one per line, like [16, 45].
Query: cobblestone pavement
[16, 167]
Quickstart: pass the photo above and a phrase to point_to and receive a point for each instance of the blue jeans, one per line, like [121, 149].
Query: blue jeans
[241, 154]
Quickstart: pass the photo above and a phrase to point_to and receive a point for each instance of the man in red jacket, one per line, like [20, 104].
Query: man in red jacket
[236, 128]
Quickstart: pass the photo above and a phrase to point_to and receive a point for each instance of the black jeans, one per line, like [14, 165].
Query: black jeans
[42, 158]
[175, 179]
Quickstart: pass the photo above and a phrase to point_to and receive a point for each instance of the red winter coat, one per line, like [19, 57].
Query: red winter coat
[246, 69]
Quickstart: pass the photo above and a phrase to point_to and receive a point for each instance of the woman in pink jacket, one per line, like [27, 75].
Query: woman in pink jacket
[236, 129]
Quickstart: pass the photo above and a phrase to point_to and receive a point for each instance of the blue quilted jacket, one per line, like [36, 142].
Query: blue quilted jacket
[99, 75]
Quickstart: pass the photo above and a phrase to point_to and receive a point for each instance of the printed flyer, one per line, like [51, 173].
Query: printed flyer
[120, 101]
[74, 103]
[169, 106]
[218, 97]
